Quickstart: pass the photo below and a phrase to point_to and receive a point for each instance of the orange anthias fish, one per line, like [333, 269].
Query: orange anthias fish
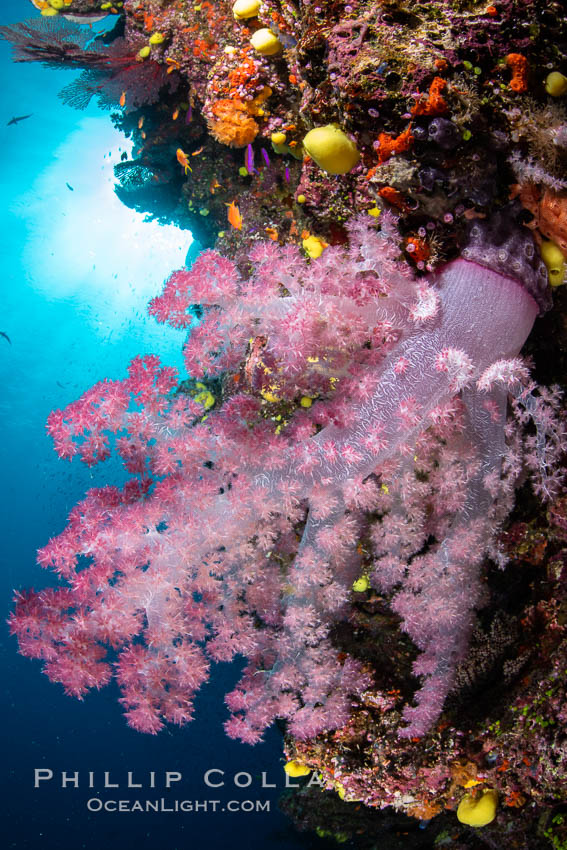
[122, 100]
[183, 160]
[234, 216]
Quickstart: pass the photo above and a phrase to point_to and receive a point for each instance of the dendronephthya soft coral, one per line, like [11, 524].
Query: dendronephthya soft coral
[201, 557]
[242, 534]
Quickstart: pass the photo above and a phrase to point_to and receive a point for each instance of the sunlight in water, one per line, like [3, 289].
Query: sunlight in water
[82, 242]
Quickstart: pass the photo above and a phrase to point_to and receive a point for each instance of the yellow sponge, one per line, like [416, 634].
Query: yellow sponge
[243, 9]
[556, 84]
[266, 42]
[331, 149]
[295, 768]
[554, 259]
[478, 811]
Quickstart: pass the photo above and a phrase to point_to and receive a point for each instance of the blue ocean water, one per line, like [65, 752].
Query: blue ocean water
[77, 271]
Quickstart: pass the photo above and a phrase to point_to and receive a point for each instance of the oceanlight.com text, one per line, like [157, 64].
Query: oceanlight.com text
[95, 804]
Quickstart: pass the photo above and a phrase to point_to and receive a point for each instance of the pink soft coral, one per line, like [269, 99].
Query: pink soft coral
[240, 532]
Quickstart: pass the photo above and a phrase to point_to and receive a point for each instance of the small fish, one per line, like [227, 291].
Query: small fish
[249, 159]
[197, 152]
[6, 337]
[17, 118]
[68, 185]
[266, 157]
[189, 116]
[122, 100]
[173, 65]
[214, 184]
[287, 175]
[141, 122]
[234, 216]
[175, 114]
[183, 160]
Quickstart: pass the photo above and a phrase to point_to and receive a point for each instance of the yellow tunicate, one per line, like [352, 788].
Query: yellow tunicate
[48, 12]
[157, 38]
[556, 84]
[56, 4]
[331, 149]
[294, 768]
[374, 212]
[278, 138]
[314, 246]
[266, 42]
[301, 199]
[144, 52]
[554, 260]
[478, 811]
[306, 401]
[361, 584]
[243, 9]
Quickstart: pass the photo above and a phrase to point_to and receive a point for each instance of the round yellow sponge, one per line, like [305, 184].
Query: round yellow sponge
[331, 149]
[265, 42]
[556, 84]
[478, 811]
[246, 9]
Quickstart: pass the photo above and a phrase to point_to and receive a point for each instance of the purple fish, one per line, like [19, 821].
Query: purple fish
[287, 174]
[189, 116]
[249, 159]
[266, 157]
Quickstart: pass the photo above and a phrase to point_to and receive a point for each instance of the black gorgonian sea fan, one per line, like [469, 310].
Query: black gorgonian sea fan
[53, 41]
[142, 84]
[108, 69]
